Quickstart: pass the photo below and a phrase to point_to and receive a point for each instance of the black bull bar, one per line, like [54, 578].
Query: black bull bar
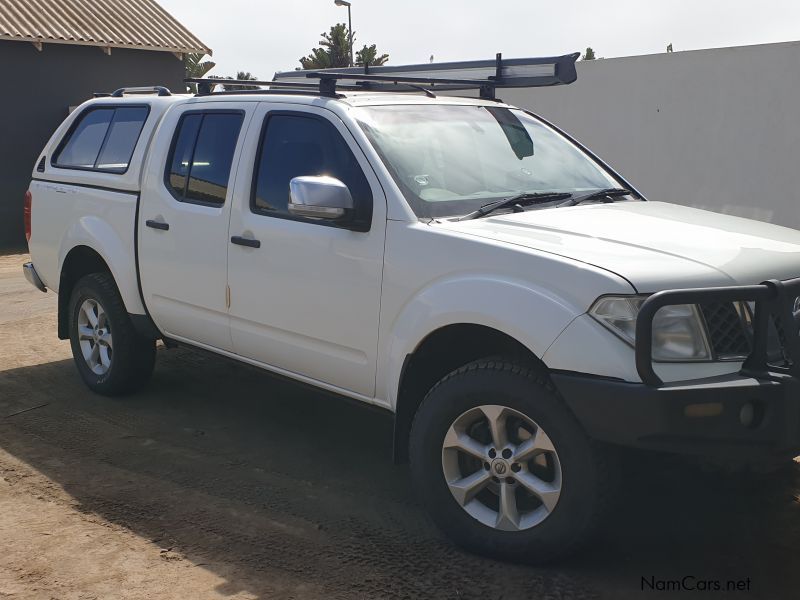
[774, 302]
[746, 415]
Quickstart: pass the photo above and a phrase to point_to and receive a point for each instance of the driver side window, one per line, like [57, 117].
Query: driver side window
[295, 144]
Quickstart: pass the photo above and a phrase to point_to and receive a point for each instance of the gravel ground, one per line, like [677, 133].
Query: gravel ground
[220, 481]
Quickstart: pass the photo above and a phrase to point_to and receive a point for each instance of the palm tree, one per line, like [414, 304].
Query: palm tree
[243, 76]
[196, 68]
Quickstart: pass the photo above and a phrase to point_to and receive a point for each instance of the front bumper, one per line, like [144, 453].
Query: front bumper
[754, 411]
[731, 416]
[33, 277]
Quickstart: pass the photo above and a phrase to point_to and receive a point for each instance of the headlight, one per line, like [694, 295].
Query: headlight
[678, 331]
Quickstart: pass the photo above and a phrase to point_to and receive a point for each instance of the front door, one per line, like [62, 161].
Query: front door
[183, 222]
[306, 300]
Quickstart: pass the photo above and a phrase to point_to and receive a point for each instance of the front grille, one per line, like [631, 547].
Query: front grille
[726, 329]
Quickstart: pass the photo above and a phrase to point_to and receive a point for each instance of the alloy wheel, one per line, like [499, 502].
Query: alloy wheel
[94, 336]
[501, 468]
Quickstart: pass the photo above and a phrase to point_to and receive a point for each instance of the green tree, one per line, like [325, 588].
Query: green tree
[334, 50]
[196, 68]
[589, 55]
[368, 56]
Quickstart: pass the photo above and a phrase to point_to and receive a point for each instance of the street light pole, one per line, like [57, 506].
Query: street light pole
[349, 25]
[350, 31]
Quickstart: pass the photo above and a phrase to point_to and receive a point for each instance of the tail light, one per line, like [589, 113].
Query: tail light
[26, 215]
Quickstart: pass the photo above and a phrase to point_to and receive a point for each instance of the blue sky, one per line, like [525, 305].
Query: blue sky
[264, 36]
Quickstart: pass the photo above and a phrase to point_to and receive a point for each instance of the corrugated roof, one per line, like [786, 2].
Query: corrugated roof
[138, 24]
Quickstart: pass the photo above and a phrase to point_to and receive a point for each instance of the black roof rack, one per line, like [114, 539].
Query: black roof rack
[486, 76]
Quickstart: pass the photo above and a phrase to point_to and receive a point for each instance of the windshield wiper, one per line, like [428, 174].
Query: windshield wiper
[605, 193]
[531, 197]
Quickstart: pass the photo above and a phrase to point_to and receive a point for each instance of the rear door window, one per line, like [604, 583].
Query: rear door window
[102, 139]
[199, 165]
[182, 148]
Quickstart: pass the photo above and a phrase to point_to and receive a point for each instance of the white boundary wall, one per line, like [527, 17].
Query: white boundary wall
[716, 129]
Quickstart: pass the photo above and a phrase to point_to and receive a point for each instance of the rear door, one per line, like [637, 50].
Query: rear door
[306, 300]
[183, 221]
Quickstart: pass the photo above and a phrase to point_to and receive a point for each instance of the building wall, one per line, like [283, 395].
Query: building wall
[37, 90]
[716, 129]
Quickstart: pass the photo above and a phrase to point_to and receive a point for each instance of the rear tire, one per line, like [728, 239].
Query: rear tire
[112, 358]
[557, 482]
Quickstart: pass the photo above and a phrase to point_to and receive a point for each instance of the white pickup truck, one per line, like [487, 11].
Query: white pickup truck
[520, 308]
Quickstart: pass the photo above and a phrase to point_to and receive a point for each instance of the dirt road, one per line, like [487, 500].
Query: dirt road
[220, 481]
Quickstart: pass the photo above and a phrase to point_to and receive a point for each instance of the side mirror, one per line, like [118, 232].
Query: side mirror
[319, 198]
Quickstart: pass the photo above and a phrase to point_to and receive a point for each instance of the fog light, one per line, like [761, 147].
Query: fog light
[747, 414]
[751, 415]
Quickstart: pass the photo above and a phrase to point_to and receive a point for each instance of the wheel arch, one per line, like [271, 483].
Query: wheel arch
[79, 261]
[440, 352]
[117, 253]
[82, 260]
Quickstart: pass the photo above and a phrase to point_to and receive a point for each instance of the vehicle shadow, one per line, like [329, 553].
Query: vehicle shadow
[278, 487]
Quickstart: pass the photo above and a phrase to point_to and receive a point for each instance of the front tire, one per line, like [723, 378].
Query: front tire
[112, 358]
[503, 467]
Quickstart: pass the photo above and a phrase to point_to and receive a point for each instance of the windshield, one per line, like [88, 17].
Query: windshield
[450, 160]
